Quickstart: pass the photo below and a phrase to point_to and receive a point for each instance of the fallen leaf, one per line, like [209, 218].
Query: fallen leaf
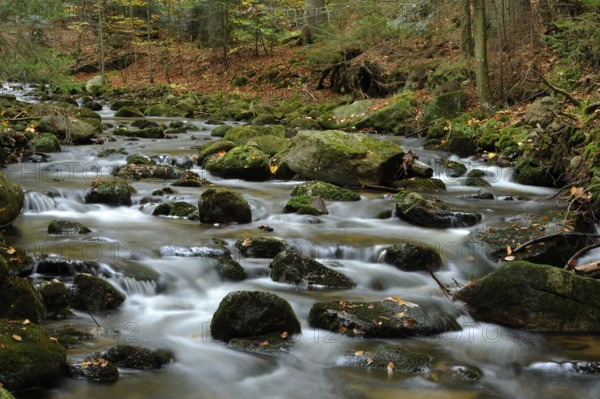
[509, 258]
[284, 335]
[246, 242]
[508, 250]
[26, 322]
[400, 301]
[221, 153]
[369, 361]
[53, 340]
[343, 330]
[17, 338]
[391, 366]
[264, 343]
[358, 353]
[10, 250]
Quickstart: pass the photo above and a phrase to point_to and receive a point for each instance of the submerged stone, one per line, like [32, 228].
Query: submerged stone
[411, 257]
[260, 246]
[327, 191]
[92, 293]
[392, 358]
[67, 227]
[418, 210]
[135, 357]
[220, 205]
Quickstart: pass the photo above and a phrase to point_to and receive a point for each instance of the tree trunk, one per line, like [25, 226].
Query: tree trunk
[313, 17]
[101, 37]
[149, 27]
[466, 35]
[482, 78]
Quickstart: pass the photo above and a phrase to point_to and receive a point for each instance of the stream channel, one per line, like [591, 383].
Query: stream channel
[173, 290]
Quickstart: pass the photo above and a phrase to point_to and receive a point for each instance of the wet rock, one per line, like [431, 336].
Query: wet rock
[95, 368]
[135, 357]
[106, 152]
[260, 246]
[55, 266]
[483, 195]
[55, 297]
[446, 105]
[220, 205]
[219, 147]
[419, 184]
[163, 172]
[535, 297]
[18, 300]
[346, 116]
[393, 358]
[46, 142]
[327, 191]
[71, 337]
[270, 145]
[291, 267]
[267, 343]
[245, 162]
[67, 227]
[139, 159]
[91, 293]
[29, 357]
[178, 209]
[413, 257]
[19, 261]
[477, 182]
[241, 135]
[129, 111]
[457, 375]
[243, 314]
[11, 200]
[344, 159]
[393, 118]
[229, 269]
[109, 193]
[146, 133]
[191, 180]
[515, 230]
[220, 131]
[68, 129]
[389, 318]
[541, 112]
[420, 211]
[306, 205]
[164, 110]
[530, 172]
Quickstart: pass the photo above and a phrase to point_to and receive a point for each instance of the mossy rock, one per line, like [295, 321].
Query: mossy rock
[391, 358]
[87, 113]
[290, 266]
[394, 118]
[34, 360]
[145, 123]
[91, 293]
[139, 159]
[413, 257]
[19, 261]
[346, 117]
[477, 182]
[18, 300]
[326, 191]
[241, 134]
[182, 209]
[164, 110]
[162, 172]
[220, 205]
[191, 180]
[416, 209]
[535, 297]
[4, 394]
[260, 246]
[220, 131]
[389, 318]
[135, 357]
[243, 314]
[420, 184]
[270, 145]
[146, 133]
[530, 172]
[67, 227]
[450, 168]
[447, 105]
[267, 343]
[229, 269]
[68, 129]
[129, 111]
[106, 152]
[216, 147]
[109, 193]
[95, 368]
[56, 299]
[245, 162]
[296, 120]
[12, 199]
[306, 205]
[46, 142]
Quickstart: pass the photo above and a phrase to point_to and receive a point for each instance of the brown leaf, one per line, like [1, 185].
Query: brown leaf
[53, 340]
[10, 250]
[264, 343]
[284, 335]
[369, 361]
[391, 366]
[17, 338]
[246, 242]
[343, 330]
[26, 322]
[508, 250]
[358, 353]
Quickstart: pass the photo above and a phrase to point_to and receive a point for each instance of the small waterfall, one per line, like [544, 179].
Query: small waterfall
[369, 254]
[38, 202]
[207, 251]
[134, 286]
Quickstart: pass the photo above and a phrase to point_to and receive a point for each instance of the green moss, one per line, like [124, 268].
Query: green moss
[129, 111]
[420, 184]
[270, 145]
[305, 205]
[245, 162]
[140, 159]
[446, 105]
[450, 168]
[410, 256]
[46, 142]
[220, 205]
[213, 148]
[135, 357]
[260, 246]
[182, 209]
[229, 269]
[327, 191]
[528, 171]
[92, 293]
[63, 226]
[12, 199]
[55, 297]
[18, 300]
[240, 135]
[164, 110]
[110, 193]
[145, 133]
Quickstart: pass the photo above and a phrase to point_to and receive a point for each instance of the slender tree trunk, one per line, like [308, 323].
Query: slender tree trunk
[313, 17]
[101, 37]
[149, 28]
[482, 78]
[466, 35]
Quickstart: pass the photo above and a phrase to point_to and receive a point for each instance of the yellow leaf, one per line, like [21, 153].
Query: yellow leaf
[221, 153]
[284, 335]
[400, 301]
[246, 242]
[17, 338]
[508, 250]
[53, 340]
[273, 168]
[265, 343]
[391, 366]
[26, 322]
[358, 353]
[10, 250]
[509, 258]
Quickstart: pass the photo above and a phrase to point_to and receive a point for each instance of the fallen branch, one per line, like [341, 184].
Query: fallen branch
[554, 236]
[444, 288]
[592, 108]
[588, 268]
[380, 188]
[555, 89]
[572, 262]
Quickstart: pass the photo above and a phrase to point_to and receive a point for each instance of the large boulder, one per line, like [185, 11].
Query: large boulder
[346, 116]
[133, 171]
[290, 266]
[91, 293]
[67, 227]
[67, 128]
[244, 162]
[535, 297]
[220, 205]
[110, 193]
[18, 300]
[135, 357]
[243, 314]
[416, 209]
[412, 257]
[29, 356]
[11, 200]
[260, 246]
[327, 191]
[389, 318]
[541, 112]
[95, 83]
[345, 159]
[46, 142]
[241, 135]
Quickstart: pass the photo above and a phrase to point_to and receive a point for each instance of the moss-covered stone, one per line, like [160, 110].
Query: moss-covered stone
[391, 358]
[420, 184]
[306, 205]
[139, 159]
[446, 105]
[71, 337]
[270, 145]
[245, 162]
[393, 118]
[91, 293]
[67, 227]
[19, 261]
[164, 110]
[344, 159]
[69, 129]
[416, 209]
[129, 111]
[536, 297]
[34, 360]
[163, 172]
[389, 318]
[110, 193]
[216, 147]
[146, 133]
[267, 343]
[528, 171]
[12, 199]
[220, 205]
[261, 246]
[220, 131]
[327, 191]
[477, 182]
[95, 368]
[244, 314]
[229, 269]
[411, 257]
[46, 142]
[240, 135]
[135, 357]
[290, 266]
[346, 116]
[18, 300]
[56, 299]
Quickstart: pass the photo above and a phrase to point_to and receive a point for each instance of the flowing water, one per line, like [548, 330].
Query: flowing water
[172, 288]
